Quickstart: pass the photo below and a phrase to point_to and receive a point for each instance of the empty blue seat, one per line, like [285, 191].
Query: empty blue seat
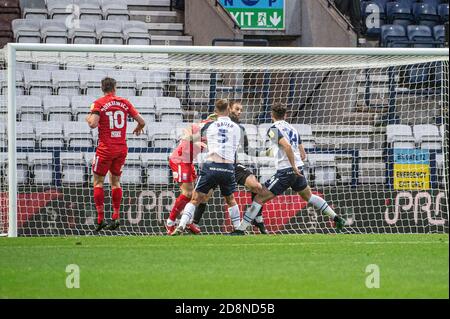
[443, 12]
[426, 14]
[421, 35]
[394, 35]
[434, 3]
[399, 13]
[439, 33]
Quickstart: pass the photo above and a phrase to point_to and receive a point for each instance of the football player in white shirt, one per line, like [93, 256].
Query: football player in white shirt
[223, 138]
[290, 156]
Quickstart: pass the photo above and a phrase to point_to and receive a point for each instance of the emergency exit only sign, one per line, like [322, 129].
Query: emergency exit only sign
[257, 14]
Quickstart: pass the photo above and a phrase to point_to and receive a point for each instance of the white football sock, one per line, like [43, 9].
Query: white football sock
[235, 216]
[249, 215]
[188, 214]
[322, 206]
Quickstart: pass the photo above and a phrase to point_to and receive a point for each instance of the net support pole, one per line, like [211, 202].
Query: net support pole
[12, 158]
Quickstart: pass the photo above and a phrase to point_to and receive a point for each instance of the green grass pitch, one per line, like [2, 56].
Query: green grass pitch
[283, 266]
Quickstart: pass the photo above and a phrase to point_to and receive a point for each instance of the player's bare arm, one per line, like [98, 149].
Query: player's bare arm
[140, 127]
[303, 155]
[290, 154]
[92, 119]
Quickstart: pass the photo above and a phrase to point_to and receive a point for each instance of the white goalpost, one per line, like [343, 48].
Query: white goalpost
[374, 123]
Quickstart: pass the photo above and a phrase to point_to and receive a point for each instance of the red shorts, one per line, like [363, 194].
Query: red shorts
[183, 172]
[101, 164]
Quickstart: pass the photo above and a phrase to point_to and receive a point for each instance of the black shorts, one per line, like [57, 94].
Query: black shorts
[216, 174]
[285, 178]
[241, 173]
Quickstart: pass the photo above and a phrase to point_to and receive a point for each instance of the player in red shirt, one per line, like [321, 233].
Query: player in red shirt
[183, 170]
[109, 113]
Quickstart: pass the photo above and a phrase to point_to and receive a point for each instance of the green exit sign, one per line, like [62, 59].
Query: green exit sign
[257, 14]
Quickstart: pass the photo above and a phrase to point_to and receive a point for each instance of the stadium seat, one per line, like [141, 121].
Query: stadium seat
[400, 136]
[132, 170]
[136, 32]
[78, 134]
[58, 9]
[26, 137]
[145, 106]
[439, 34]
[26, 31]
[38, 82]
[149, 83]
[23, 176]
[443, 12]
[90, 10]
[324, 168]
[162, 135]
[73, 168]
[140, 141]
[421, 36]
[84, 33]
[126, 83]
[156, 170]
[4, 82]
[48, 61]
[394, 36]
[266, 168]
[109, 32]
[81, 106]
[168, 109]
[75, 61]
[30, 108]
[50, 134]
[434, 3]
[41, 167]
[57, 108]
[115, 10]
[53, 31]
[399, 13]
[66, 82]
[426, 14]
[37, 11]
[90, 82]
[427, 136]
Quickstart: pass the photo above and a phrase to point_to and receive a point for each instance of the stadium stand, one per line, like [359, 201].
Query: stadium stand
[406, 13]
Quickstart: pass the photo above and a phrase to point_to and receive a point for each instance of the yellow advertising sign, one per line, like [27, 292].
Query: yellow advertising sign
[411, 176]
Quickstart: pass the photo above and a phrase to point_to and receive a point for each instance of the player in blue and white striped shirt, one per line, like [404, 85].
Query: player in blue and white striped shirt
[290, 156]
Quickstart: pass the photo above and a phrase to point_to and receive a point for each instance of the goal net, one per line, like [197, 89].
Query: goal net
[373, 124]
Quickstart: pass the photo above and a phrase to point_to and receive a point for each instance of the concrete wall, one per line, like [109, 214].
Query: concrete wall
[322, 27]
[205, 22]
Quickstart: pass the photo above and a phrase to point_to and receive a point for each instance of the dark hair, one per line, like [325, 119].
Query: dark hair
[222, 105]
[233, 102]
[278, 110]
[108, 85]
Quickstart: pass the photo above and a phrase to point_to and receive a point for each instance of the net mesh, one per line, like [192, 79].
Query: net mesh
[374, 128]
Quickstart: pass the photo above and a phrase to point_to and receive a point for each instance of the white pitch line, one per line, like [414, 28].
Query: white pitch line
[71, 246]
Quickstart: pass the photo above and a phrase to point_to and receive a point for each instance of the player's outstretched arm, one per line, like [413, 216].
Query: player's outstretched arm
[92, 120]
[290, 154]
[140, 127]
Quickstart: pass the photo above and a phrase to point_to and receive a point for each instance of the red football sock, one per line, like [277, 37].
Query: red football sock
[99, 200]
[180, 203]
[116, 199]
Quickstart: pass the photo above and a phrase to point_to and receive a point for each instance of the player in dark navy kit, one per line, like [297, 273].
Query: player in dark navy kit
[289, 159]
[222, 138]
